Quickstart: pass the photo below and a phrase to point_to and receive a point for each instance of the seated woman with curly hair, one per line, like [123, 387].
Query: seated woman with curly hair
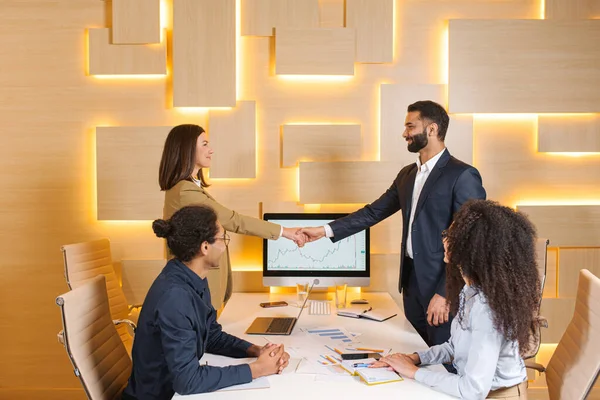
[493, 290]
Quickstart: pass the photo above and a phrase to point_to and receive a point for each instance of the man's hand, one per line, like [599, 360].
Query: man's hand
[271, 349]
[270, 362]
[403, 364]
[313, 234]
[296, 235]
[438, 311]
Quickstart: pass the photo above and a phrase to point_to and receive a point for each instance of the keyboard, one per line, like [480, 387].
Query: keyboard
[280, 325]
[319, 308]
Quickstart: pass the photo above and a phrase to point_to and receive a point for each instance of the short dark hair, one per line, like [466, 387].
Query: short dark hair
[494, 247]
[187, 229]
[179, 156]
[433, 112]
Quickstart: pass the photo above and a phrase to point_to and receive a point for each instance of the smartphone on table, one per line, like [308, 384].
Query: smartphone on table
[273, 304]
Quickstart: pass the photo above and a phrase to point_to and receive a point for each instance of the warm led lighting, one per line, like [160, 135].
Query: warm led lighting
[298, 184]
[542, 9]
[238, 51]
[557, 202]
[312, 208]
[518, 117]
[130, 77]
[321, 123]
[445, 66]
[165, 18]
[573, 154]
[316, 78]
[199, 110]
[247, 268]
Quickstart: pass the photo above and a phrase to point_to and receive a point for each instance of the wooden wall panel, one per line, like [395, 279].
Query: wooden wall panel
[344, 182]
[551, 286]
[395, 99]
[579, 133]
[566, 225]
[326, 51]
[135, 21]
[374, 24]
[124, 59]
[331, 13]
[129, 190]
[259, 17]
[558, 312]
[232, 135]
[568, 9]
[571, 261]
[137, 277]
[514, 173]
[204, 53]
[496, 66]
[320, 143]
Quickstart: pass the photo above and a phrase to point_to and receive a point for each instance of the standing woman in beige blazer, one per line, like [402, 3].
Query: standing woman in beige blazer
[185, 154]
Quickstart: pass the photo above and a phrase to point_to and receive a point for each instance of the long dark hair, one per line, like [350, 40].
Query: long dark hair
[179, 156]
[494, 248]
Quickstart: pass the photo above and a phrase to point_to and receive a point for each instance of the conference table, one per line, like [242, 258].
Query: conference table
[298, 380]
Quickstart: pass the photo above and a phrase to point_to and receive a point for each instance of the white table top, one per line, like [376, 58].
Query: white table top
[395, 333]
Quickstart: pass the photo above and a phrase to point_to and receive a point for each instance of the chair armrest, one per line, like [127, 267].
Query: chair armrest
[533, 365]
[61, 337]
[134, 315]
[125, 321]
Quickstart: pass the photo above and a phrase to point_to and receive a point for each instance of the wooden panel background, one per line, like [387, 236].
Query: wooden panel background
[51, 108]
[124, 59]
[319, 143]
[326, 51]
[259, 17]
[204, 53]
[233, 132]
[135, 21]
[574, 133]
[374, 24]
[505, 57]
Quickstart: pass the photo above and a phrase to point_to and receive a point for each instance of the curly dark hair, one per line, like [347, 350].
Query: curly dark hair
[494, 248]
[187, 229]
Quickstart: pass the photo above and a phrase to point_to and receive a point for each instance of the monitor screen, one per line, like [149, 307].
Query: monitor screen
[285, 264]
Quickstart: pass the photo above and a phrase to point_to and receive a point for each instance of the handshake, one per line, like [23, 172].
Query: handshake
[301, 236]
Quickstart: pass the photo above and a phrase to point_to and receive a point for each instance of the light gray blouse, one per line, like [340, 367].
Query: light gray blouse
[483, 358]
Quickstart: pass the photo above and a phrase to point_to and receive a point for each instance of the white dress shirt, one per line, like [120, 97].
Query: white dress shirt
[483, 358]
[423, 171]
[422, 174]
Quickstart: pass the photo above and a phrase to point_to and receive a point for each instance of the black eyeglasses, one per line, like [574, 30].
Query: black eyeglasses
[225, 238]
[444, 234]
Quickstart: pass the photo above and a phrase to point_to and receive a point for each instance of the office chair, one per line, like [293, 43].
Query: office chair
[536, 331]
[85, 261]
[575, 364]
[98, 355]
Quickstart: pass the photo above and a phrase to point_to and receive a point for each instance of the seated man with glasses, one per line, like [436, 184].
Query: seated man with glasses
[177, 324]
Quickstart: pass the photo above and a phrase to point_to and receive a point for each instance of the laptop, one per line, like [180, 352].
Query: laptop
[277, 325]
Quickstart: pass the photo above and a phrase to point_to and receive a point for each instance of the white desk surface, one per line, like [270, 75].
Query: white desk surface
[396, 333]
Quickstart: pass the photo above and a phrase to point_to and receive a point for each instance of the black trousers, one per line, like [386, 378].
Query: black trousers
[415, 310]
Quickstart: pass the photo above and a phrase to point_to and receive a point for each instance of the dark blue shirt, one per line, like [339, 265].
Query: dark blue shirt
[177, 325]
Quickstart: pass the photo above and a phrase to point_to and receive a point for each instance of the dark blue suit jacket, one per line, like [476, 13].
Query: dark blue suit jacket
[450, 183]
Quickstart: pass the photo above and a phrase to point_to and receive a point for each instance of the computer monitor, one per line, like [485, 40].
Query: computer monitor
[285, 264]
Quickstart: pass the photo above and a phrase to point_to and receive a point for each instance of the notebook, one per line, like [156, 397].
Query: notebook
[376, 376]
[368, 313]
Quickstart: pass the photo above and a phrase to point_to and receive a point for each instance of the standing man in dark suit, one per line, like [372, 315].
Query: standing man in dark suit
[428, 192]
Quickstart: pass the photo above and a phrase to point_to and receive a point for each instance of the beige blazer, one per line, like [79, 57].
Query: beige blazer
[186, 193]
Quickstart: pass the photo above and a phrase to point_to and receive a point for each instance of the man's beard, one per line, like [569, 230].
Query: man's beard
[419, 141]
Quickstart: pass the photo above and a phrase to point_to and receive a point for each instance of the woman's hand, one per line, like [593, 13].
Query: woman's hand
[404, 364]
